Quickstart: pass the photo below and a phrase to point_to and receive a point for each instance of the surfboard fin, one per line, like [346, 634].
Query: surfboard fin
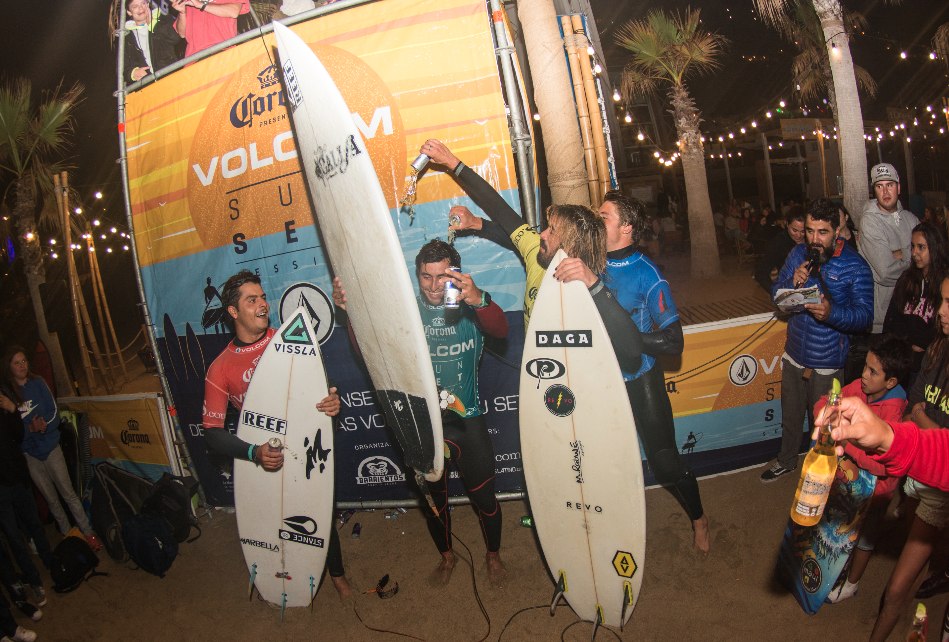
[283, 606]
[312, 594]
[253, 576]
[420, 480]
[598, 621]
[627, 602]
[559, 590]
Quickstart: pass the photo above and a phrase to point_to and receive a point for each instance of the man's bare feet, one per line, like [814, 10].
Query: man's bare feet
[342, 587]
[497, 573]
[442, 573]
[702, 539]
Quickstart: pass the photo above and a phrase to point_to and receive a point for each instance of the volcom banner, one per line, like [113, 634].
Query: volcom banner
[216, 187]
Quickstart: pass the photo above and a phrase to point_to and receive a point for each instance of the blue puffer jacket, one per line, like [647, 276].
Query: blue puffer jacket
[824, 344]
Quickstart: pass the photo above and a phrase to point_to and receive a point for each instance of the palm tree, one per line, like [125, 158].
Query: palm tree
[32, 140]
[853, 151]
[666, 51]
[811, 67]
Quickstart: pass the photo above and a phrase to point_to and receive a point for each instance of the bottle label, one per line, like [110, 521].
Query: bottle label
[814, 494]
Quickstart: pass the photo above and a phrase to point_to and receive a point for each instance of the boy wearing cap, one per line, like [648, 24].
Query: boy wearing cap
[886, 233]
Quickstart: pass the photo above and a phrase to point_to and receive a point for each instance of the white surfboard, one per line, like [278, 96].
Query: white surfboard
[581, 454]
[284, 517]
[363, 247]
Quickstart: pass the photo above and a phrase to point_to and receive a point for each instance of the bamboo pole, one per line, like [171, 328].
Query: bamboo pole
[84, 312]
[108, 319]
[73, 280]
[593, 105]
[583, 113]
[96, 287]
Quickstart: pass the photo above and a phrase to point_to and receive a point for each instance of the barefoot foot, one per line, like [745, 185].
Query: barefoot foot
[442, 573]
[342, 587]
[497, 573]
[702, 539]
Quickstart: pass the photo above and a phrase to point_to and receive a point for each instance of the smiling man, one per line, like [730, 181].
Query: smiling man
[228, 378]
[818, 337]
[886, 236]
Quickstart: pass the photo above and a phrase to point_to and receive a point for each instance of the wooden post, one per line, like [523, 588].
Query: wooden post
[593, 106]
[728, 175]
[61, 203]
[84, 312]
[108, 316]
[583, 113]
[96, 287]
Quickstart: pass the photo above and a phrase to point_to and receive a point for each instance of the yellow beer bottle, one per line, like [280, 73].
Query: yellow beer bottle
[820, 466]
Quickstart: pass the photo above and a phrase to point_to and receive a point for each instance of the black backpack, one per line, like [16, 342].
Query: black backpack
[73, 563]
[150, 543]
[117, 495]
[170, 499]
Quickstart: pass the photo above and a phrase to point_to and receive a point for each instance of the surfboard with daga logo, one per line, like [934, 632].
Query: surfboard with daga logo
[581, 454]
[284, 517]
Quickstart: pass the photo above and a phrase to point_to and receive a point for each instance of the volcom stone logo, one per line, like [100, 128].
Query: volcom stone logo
[317, 304]
[743, 370]
[330, 162]
[378, 470]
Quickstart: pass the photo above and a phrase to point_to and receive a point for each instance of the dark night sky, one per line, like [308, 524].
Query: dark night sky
[69, 40]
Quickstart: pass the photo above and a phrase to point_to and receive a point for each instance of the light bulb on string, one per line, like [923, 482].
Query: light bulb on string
[932, 55]
[98, 194]
[640, 135]
[768, 114]
[590, 50]
[616, 95]
[597, 69]
[781, 103]
[536, 116]
[903, 55]
[754, 124]
[628, 117]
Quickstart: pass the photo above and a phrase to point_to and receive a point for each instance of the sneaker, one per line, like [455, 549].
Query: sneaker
[30, 611]
[39, 595]
[93, 542]
[935, 585]
[846, 590]
[21, 635]
[774, 472]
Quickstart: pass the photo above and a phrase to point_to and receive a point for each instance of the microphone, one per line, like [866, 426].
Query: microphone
[813, 260]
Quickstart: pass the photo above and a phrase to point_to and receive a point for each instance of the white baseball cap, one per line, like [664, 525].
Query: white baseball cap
[883, 172]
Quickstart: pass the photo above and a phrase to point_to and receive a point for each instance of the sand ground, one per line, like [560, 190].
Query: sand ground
[730, 596]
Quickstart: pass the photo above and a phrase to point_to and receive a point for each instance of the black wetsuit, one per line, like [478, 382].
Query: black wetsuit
[647, 393]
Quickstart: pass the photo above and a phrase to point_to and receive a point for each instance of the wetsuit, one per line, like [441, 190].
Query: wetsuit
[642, 291]
[455, 343]
[637, 291]
[226, 382]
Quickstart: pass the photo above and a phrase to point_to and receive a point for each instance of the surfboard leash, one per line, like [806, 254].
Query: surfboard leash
[405, 635]
[570, 626]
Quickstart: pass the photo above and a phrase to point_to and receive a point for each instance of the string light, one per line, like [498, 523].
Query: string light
[597, 69]
[590, 50]
[536, 116]
[903, 55]
[98, 194]
[640, 135]
[616, 95]
[78, 210]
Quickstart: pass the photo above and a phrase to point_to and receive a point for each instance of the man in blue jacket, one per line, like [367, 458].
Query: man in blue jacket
[818, 337]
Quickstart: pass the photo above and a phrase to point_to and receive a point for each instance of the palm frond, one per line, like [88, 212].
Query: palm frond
[14, 121]
[941, 41]
[773, 12]
[865, 81]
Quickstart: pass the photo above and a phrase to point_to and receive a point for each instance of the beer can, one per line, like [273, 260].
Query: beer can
[275, 444]
[420, 163]
[452, 293]
[357, 528]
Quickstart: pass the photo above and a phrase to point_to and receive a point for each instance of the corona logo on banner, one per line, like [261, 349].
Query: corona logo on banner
[244, 177]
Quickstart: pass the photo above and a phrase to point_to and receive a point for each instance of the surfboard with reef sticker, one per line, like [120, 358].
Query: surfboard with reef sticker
[581, 455]
[349, 207]
[284, 517]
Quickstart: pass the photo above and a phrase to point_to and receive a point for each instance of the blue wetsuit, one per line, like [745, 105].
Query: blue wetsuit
[643, 292]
